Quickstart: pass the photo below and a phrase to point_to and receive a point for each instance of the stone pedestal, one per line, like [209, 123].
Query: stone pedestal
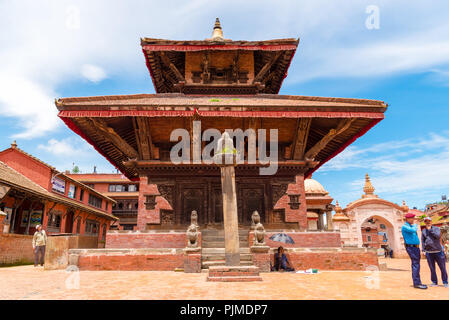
[261, 257]
[192, 260]
[234, 274]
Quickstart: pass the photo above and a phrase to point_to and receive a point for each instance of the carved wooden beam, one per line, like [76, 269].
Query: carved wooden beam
[166, 60]
[320, 145]
[110, 135]
[267, 67]
[300, 141]
[143, 136]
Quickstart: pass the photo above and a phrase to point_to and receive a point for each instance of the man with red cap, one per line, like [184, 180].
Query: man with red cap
[411, 239]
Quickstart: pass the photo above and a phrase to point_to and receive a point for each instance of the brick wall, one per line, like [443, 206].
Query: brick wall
[27, 166]
[304, 240]
[144, 215]
[16, 248]
[330, 260]
[130, 260]
[295, 215]
[147, 240]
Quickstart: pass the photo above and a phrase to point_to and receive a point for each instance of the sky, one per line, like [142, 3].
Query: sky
[394, 51]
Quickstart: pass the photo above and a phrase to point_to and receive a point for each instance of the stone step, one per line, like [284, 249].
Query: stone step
[221, 250]
[218, 244]
[221, 232]
[220, 238]
[221, 256]
[207, 264]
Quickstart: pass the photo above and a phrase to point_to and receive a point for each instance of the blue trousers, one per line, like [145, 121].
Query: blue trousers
[440, 259]
[415, 256]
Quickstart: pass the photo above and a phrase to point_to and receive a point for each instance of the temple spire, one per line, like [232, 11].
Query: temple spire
[217, 34]
[368, 188]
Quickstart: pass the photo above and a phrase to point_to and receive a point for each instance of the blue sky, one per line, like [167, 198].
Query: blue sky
[52, 49]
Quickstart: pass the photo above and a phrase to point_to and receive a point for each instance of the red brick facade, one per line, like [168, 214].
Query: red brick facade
[133, 261]
[295, 215]
[147, 240]
[16, 248]
[303, 240]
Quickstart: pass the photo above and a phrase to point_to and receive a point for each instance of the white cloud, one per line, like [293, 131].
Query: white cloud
[60, 147]
[93, 73]
[414, 166]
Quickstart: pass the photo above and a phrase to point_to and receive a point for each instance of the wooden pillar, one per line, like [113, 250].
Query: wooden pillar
[230, 218]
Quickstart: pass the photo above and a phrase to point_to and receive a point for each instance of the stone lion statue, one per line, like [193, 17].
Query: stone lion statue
[259, 230]
[192, 231]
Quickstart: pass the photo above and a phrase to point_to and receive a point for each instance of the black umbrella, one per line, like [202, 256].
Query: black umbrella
[282, 237]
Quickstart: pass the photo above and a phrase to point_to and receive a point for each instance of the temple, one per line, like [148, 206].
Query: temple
[226, 85]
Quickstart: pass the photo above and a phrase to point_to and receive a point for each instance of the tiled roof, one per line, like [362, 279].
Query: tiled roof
[177, 99]
[12, 178]
[14, 147]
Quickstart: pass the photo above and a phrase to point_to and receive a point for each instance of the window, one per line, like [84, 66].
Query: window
[382, 226]
[94, 201]
[123, 188]
[72, 191]
[91, 227]
[369, 238]
[107, 204]
[81, 194]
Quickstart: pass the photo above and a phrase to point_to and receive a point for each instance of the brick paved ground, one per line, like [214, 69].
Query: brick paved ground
[27, 282]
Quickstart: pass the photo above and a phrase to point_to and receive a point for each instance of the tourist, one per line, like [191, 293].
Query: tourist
[411, 239]
[391, 253]
[431, 244]
[281, 262]
[39, 243]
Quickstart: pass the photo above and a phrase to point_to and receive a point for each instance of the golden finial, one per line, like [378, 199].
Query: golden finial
[217, 34]
[338, 209]
[404, 206]
[368, 188]
[14, 144]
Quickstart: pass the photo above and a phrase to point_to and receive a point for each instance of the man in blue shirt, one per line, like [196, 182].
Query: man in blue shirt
[431, 245]
[411, 239]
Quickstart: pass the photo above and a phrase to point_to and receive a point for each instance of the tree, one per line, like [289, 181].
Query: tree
[76, 169]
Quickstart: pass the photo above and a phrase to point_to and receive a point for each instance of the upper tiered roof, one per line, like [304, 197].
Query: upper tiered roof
[218, 65]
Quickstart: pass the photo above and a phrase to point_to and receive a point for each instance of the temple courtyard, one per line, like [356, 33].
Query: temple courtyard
[27, 282]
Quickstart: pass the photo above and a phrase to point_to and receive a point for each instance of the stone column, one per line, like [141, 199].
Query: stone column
[330, 226]
[230, 218]
[226, 159]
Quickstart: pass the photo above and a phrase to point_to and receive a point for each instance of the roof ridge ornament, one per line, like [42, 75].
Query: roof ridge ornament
[217, 33]
[368, 188]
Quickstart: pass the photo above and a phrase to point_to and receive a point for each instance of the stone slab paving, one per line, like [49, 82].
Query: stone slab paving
[27, 282]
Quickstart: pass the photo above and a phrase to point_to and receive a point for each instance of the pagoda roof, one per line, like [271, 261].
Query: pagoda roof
[167, 112]
[160, 53]
[168, 101]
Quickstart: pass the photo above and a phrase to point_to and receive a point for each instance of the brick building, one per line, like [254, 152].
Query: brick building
[118, 187]
[33, 192]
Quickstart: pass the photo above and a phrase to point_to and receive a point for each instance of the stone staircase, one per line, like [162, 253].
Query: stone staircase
[213, 248]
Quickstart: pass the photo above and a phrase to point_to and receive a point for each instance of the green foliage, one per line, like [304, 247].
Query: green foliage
[76, 169]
